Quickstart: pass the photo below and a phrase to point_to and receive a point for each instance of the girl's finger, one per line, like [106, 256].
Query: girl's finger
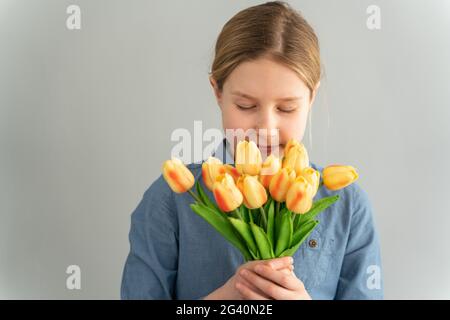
[240, 279]
[268, 287]
[286, 280]
[249, 294]
[279, 263]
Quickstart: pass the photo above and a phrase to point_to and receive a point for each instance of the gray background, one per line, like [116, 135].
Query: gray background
[86, 118]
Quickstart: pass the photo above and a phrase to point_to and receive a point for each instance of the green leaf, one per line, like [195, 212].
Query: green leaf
[246, 233]
[299, 237]
[204, 198]
[255, 256]
[221, 223]
[267, 204]
[271, 223]
[285, 234]
[319, 206]
[263, 243]
[298, 219]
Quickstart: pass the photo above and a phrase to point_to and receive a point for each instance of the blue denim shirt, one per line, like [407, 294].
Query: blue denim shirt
[175, 254]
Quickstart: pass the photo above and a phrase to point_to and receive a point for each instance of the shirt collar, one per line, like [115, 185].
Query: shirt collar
[223, 152]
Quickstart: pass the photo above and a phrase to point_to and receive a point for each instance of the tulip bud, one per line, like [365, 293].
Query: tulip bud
[177, 175]
[269, 168]
[280, 184]
[211, 169]
[296, 156]
[336, 177]
[291, 143]
[227, 195]
[248, 158]
[299, 197]
[254, 193]
[313, 178]
[232, 171]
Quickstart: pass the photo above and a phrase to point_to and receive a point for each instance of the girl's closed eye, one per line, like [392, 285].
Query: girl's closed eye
[245, 107]
[287, 109]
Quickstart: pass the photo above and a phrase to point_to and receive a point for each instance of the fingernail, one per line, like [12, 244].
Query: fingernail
[244, 273]
[258, 268]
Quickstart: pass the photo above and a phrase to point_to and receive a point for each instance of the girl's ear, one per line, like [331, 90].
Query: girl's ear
[216, 90]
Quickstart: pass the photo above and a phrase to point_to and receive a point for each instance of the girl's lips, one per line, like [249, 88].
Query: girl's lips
[269, 149]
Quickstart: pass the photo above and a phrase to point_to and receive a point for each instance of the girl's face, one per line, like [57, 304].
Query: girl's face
[263, 94]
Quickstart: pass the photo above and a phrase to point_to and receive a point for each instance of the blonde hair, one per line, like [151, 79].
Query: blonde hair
[272, 30]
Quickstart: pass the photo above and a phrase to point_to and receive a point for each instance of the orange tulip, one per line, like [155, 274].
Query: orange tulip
[254, 193]
[177, 175]
[336, 176]
[313, 178]
[227, 195]
[299, 197]
[248, 158]
[280, 184]
[295, 156]
[269, 168]
[232, 171]
[211, 169]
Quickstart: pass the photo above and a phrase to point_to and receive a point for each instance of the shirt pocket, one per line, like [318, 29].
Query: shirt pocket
[313, 259]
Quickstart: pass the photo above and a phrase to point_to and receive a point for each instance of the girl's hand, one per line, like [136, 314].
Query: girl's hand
[270, 284]
[229, 291]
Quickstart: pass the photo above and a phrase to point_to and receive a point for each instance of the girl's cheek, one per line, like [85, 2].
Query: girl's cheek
[237, 120]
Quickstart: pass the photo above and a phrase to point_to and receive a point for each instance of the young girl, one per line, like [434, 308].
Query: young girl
[265, 75]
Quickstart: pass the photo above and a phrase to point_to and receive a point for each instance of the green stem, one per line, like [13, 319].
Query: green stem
[263, 214]
[195, 196]
[278, 208]
[250, 215]
[238, 214]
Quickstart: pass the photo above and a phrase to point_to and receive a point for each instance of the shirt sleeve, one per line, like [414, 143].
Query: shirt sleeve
[151, 267]
[361, 274]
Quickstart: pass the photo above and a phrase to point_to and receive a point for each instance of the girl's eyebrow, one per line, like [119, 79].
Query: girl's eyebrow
[244, 95]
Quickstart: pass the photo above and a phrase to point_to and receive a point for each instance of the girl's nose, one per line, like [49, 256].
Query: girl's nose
[267, 121]
[267, 129]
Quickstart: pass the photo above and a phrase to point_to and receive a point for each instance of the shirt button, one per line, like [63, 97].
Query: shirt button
[312, 243]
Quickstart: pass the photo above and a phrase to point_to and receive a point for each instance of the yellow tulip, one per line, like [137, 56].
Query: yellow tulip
[313, 178]
[291, 144]
[248, 158]
[227, 195]
[269, 168]
[336, 176]
[177, 175]
[254, 193]
[299, 198]
[295, 156]
[211, 169]
[280, 183]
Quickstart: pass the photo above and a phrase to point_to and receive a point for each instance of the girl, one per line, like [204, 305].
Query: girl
[265, 75]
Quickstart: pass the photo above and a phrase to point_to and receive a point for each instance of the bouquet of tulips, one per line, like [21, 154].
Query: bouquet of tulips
[265, 209]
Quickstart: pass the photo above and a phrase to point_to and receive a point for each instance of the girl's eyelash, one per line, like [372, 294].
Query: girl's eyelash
[251, 107]
[287, 111]
[245, 108]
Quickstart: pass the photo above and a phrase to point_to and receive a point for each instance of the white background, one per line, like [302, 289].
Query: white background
[86, 118]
